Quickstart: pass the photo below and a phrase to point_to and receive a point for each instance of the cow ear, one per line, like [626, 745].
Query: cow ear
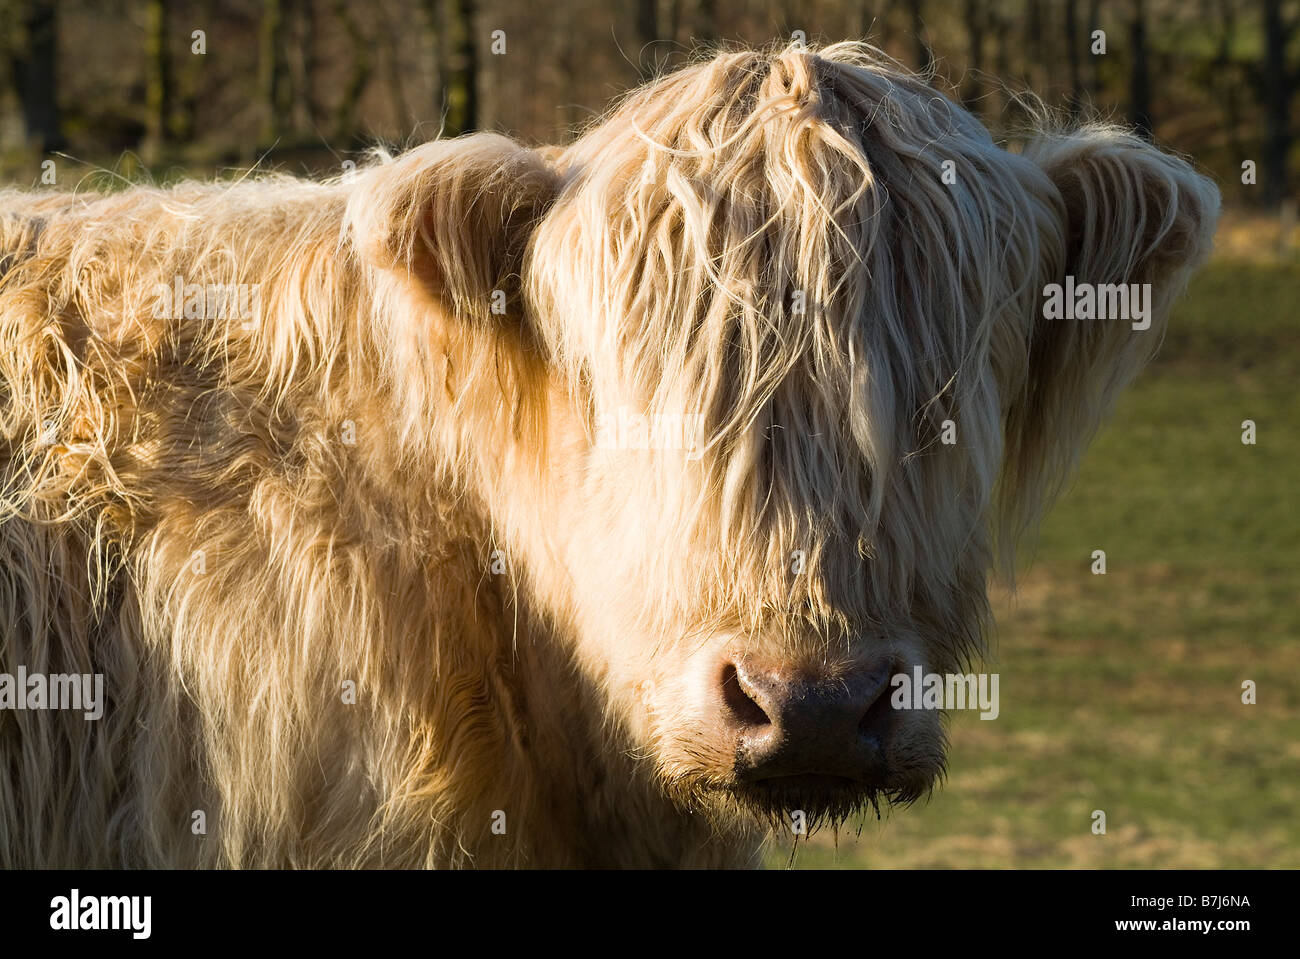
[452, 219]
[1120, 212]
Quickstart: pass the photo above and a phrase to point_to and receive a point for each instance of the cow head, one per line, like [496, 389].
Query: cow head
[805, 394]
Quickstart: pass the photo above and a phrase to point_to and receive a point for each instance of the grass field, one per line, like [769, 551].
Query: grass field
[1122, 692]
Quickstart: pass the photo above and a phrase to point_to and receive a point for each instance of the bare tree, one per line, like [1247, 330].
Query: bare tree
[189, 83]
[273, 75]
[973, 89]
[1279, 86]
[672, 22]
[1074, 97]
[303, 65]
[871, 20]
[706, 20]
[1001, 25]
[1094, 73]
[158, 86]
[647, 36]
[435, 56]
[1035, 72]
[564, 61]
[924, 55]
[1139, 69]
[358, 78]
[462, 73]
[34, 65]
[390, 55]
[1225, 76]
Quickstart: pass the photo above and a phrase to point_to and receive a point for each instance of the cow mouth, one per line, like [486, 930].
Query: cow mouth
[809, 800]
[808, 782]
[816, 799]
[811, 797]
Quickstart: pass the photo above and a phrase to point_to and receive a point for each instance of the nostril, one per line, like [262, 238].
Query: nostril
[744, 711]
[876, 721]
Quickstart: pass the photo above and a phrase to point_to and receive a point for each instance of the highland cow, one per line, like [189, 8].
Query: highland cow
[309, 473]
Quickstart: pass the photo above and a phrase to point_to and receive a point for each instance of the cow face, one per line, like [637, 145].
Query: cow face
[791, 308]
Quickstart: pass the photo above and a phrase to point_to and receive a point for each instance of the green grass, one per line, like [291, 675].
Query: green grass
[1123, 692]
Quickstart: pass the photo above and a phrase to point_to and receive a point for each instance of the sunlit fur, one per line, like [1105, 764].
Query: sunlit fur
[230, 521]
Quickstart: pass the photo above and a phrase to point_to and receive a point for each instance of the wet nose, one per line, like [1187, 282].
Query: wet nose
[789, 722]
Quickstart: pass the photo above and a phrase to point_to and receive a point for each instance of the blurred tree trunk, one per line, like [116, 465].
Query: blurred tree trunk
[1139, 82]
[462, 74]
[391, 54]
[1279, 85]
[878, 20]
[1000, 25]
[864, 17]
[303, 65]
[1225, 76]
[345, 128]
[647, 35]
[796, 15]
[924, 55]
[973, 87]
[1094, 61]
[1035, 72]
[674, 20]
[1046, 73]
[158, 87]
[433, 52]
[35, 74]
[706, 20]
[563, 57]
[1075, 96]
[273, 79]
[189, 81]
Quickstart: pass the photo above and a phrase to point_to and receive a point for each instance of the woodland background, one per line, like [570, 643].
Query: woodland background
[302, 83]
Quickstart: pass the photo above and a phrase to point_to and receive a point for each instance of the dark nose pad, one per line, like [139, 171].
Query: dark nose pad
[791, 723]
